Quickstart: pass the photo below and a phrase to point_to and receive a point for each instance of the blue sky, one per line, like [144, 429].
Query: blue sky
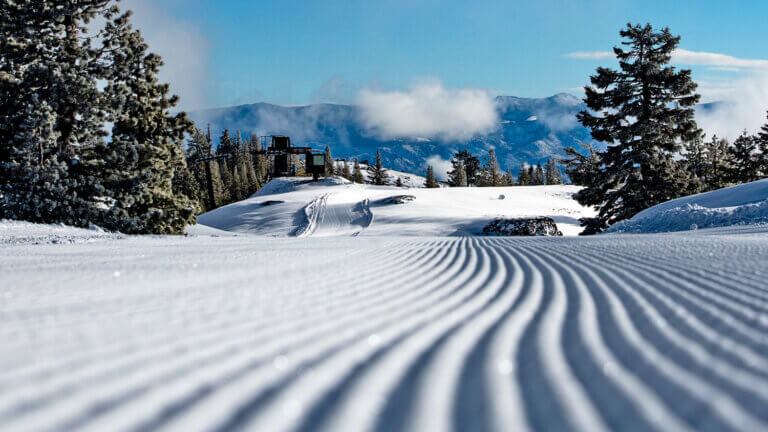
[305, 51]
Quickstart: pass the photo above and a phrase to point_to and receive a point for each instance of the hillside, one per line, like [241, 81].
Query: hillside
[530, 130]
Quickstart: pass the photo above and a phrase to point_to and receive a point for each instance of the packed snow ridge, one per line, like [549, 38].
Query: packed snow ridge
[224, 330]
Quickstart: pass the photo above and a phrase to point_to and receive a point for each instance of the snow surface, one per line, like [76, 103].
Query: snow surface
[335, 207]
[209, 332]
[737, 205]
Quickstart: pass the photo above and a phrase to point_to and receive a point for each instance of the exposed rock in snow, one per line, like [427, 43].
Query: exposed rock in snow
[540, 226]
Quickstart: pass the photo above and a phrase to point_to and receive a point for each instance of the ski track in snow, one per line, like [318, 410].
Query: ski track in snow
[654, 332]
[326, 218]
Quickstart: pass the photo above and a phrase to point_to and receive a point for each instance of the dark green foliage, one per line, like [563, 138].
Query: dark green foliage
[357, 175]
[330, 166]
[552, 174]
[377, 175]
[582, 167]
[471, 168]
[744, 159]
[524, 178]
[431, 181]
[345, 171]
[399, 182]
[490, 174]
[762, 145]
[537, 175]
[77, 78]
[717, 164]
[643, 111]
[507, 179]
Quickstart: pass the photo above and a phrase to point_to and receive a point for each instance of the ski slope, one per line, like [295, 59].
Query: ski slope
[223, 332]
[292, 207]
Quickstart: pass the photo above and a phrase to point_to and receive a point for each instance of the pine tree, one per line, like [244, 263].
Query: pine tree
[489, 173]
[744, 160]
[330, 165]
[357, 175]
[431, 181]
[537, 175]
[470, 165]
[508, 179]
[145, 153]
[345, 171]
[583, 167]
[695, 161]
[762, 144]
[552, 174]
[645, 110]
[377, 175]
[524, 178]
[718, 165]
[457, 177]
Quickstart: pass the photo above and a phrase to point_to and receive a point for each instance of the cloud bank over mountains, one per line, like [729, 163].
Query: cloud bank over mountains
[428, 110]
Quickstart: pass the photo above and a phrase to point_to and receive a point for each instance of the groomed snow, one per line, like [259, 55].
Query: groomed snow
[336, 207]
[737, 205]
[222, 333]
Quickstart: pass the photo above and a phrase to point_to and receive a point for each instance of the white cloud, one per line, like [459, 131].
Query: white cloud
[686, 57]
[182, 46]
[743, 105]
[428, 110]
[441, 166]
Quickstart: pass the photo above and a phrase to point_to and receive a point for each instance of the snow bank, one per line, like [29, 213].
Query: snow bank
[744, 204]
[18, 232]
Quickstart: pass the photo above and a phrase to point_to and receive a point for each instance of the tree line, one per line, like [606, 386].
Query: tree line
[469, 170]
[644, 112]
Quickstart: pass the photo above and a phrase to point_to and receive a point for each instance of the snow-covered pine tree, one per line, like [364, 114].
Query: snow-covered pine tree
[139, 164]
[330, 165]
[507, 179]
[524, 178]
[718, 165]
[431, 181]
[644, 111]
[377, 175]
[552, 174]
[744, 160]
[48, 91]
[357, 174]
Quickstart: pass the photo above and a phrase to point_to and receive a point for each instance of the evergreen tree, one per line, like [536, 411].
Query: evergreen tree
[537, 175]
[744, 160]
[357, 175]
[377, 175]
[399, 182]
[457, 177]
[552, 174]
[489, 174]
[718, 166]
[762, 145]
[145, 154]
[330, 165]
[695, 161]
[583, 169]
[431, 181]
[345, 171]
[645, 110]
[471, 168]
[524, 178]
[507, 179]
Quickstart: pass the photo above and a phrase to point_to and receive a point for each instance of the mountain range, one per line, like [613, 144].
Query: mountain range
[529, 131]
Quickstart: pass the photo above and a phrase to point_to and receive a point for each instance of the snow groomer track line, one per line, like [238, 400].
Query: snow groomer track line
[654, 332]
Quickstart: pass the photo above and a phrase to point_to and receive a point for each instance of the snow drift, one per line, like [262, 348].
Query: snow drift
[744, 204]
